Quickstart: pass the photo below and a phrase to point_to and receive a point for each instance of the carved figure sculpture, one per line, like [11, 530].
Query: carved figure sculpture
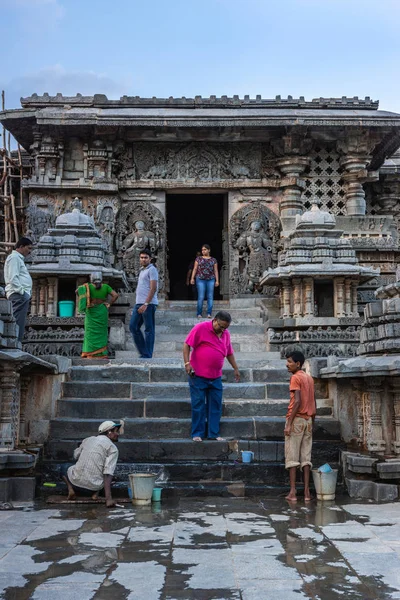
[255, 247]
[107, 228]
[135, 243]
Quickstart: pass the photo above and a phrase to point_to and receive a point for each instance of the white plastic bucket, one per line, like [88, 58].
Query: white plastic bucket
[325, 484]
[142, 485]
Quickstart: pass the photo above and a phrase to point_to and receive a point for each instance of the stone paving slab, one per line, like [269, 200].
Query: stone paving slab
[214, 549]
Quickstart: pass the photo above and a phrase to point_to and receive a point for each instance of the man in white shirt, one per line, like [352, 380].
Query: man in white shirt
[145, 307]
[19, 282]
[97, 458]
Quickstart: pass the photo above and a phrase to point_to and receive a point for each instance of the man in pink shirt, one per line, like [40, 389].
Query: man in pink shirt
[211, 344]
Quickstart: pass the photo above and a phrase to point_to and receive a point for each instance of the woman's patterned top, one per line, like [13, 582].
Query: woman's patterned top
[205, 267]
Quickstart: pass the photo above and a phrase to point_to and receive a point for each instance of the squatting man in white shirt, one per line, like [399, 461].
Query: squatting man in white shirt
[97, 458]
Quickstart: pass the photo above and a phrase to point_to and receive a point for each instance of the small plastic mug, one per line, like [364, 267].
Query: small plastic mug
[156, 495]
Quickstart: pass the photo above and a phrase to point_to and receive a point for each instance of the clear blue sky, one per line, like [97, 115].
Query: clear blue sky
[185, 47]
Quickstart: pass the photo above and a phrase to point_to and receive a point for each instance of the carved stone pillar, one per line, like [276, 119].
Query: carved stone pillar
[308, 297]
[354, 167]
[23, 429]
[375, 441]
[51, 290]
[42, 298]
[395, 387]
[286, 308]
[347, 297]
[339, 297]
[34, 299]
[356, 149]
[297, 289]
[9, 414]
[354, 301]
[292, 167]
[363, 412]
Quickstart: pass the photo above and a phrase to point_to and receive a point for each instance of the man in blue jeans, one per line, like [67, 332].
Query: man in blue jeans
[145, 307]
[210, 343]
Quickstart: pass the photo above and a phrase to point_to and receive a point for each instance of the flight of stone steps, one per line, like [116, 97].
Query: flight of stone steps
[152, 395]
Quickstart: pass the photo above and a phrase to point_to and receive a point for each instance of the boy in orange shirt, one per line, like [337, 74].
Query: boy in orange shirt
[299, 423]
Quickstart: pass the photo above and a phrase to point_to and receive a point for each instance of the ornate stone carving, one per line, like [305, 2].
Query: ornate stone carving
[140, 225]
[106, 216]
[254, 230]
[197, 161]
[319, 350]
[375, 441]
[9, 406]
[48, 154]
[40, 215]
[97, 160]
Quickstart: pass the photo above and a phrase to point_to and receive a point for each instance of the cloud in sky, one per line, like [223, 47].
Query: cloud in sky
[56, 78]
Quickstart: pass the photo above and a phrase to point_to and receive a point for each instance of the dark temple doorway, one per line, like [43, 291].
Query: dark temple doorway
[192, 220]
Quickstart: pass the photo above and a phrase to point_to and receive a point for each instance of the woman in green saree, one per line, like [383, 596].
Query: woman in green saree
[94, 299]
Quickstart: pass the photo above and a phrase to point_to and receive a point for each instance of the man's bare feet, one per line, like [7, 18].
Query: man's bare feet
[71, 491]
[197, 439]
[308, 497]
[291, 497]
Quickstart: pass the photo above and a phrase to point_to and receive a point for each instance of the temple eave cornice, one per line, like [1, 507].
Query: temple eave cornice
[165, 184]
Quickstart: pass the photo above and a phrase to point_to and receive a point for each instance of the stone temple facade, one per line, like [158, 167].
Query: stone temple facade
[172, 174]
[299, 200]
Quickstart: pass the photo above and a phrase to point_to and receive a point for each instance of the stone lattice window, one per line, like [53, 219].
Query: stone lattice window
[323, 181]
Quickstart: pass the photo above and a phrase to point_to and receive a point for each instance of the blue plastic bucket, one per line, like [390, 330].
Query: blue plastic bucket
[66, 308]
[247, 456]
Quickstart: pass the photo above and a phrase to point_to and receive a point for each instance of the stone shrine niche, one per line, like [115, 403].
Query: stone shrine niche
[140, 226]
[97, 160]
[40, 215]
[105, 219]
[254, 237]
[198, 161]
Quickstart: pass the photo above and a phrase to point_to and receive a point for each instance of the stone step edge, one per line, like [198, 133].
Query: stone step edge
[281, 419]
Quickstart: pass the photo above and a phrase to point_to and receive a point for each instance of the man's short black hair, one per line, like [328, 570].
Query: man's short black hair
[24, 241]
[146, 251]
[224, 316]
[296, 356]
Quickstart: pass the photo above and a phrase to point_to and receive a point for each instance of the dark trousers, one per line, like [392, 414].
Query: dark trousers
[20, 304]
[144, 344]
[206, 397]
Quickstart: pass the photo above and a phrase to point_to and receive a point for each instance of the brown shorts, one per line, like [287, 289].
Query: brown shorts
[298, 444]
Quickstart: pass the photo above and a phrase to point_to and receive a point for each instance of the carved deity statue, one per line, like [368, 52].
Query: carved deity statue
[255, 248]
[135, 243]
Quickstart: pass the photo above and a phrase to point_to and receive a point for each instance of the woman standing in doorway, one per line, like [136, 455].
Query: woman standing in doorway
[205, 274]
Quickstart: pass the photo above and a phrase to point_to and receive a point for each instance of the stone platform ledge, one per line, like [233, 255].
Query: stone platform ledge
[373, 366]
[371, 490]
[18, 357]
[16, 459]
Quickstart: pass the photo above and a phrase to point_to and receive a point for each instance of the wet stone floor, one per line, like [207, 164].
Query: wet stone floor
[216, 548]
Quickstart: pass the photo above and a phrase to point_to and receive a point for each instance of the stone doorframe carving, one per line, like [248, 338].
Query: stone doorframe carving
[248, 261]
[140, 209]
